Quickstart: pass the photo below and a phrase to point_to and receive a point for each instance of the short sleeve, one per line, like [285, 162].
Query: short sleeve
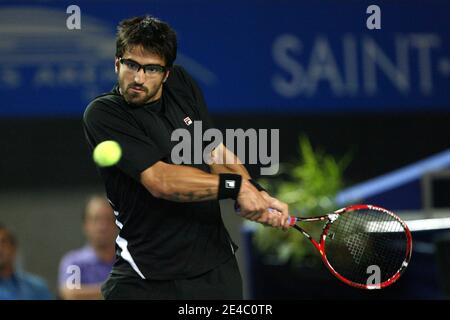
[102, 122]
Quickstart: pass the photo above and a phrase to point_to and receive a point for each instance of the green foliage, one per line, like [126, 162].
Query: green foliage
[309, 189]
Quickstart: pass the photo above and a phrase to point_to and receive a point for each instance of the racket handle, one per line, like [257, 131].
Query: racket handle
[291, 219]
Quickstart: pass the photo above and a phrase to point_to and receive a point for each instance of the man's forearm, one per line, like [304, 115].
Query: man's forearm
[226, 161]
[180, 183]
[187, 184]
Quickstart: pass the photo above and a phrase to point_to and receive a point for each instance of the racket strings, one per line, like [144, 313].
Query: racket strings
[364, 241]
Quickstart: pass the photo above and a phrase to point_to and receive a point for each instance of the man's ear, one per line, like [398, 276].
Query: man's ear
[116, 65]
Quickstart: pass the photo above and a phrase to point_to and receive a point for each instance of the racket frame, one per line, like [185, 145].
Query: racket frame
[330, 218]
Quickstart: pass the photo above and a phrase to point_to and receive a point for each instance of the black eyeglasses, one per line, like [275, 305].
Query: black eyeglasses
[148, 68]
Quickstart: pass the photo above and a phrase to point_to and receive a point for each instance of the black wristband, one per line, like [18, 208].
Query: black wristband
[256, 185]
[229, 186]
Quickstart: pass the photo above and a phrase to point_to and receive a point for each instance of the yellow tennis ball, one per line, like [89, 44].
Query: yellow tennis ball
[107, 153]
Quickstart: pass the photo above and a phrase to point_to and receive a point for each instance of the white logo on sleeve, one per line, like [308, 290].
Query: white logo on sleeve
[188, 121]
[230, 184]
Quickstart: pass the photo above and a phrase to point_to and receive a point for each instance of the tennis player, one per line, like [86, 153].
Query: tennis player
[172, 242]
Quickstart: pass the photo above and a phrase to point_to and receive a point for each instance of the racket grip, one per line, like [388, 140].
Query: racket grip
[292, 220]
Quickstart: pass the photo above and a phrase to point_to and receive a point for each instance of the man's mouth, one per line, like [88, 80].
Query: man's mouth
[137, 89]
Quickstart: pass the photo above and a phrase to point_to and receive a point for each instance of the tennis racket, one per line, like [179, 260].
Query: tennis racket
[364, 246]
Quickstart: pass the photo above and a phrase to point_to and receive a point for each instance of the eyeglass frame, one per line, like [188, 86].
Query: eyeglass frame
[161, 69]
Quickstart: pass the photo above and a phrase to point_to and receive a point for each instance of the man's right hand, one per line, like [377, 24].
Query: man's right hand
[252, 204]
[255, 206]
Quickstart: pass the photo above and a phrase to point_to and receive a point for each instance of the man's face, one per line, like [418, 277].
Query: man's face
[139, 88]
[99, 226]
[7, 250]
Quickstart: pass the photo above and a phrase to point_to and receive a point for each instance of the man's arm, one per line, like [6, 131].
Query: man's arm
[225, 161]
[192, 184]
[187, 184]
[180, 183]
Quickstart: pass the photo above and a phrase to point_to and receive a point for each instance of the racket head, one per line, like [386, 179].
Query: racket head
[363, 240]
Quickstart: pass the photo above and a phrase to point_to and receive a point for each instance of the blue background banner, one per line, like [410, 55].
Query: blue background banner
[248, 56]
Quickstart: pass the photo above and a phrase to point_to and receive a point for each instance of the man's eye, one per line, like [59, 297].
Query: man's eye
[132, 66]
[152, 69]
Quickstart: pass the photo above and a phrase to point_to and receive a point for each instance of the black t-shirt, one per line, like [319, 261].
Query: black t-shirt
[158, 239]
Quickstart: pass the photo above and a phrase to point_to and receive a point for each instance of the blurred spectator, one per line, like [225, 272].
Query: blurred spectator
[14, 284]
[93, 262]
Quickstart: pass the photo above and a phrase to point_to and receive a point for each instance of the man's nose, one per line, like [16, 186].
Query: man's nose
[139, 77]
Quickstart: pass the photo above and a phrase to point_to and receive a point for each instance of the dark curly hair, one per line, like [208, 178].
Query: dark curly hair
[154, 35]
